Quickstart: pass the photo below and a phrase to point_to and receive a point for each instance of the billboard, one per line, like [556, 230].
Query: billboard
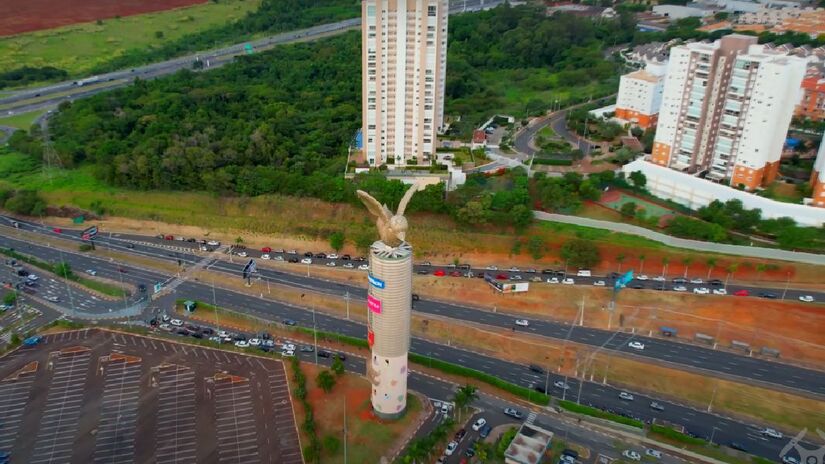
[507, 286]
[622, 281]
[250, 268]
[89, 233]
[376, 282]
[374, 304]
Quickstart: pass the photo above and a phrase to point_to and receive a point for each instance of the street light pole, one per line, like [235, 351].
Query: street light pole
[787, 283]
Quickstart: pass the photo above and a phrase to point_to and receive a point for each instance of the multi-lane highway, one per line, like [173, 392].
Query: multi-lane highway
[695, 420]
[683, 355]
[49, 96]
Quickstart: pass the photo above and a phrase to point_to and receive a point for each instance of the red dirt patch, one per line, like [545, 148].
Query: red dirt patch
[17, 16]
[611, 196]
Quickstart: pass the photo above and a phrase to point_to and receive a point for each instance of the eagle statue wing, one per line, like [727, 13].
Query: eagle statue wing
[405, 200]
[374, 207]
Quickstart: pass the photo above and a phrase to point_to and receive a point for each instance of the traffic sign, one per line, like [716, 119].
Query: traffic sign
[89, 233]
[158, 287]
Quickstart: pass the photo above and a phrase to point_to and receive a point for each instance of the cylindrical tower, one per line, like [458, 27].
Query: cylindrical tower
[389, 301]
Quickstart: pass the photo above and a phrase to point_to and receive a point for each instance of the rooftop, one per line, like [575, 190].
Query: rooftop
[529, 445]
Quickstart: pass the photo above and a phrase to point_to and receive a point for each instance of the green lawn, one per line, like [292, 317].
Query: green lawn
[21, 121]
[78, 48]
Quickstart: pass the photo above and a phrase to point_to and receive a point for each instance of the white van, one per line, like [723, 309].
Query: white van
[583, 273]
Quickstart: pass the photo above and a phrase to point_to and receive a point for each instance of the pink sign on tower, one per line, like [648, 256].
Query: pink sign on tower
[374, 304]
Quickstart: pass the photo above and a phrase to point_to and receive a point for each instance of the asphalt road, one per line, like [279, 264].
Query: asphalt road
[21, 101]
[697, 421]
[683, 355]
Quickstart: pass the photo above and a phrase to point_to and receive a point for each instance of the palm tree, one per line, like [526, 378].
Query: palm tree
[620, 260]
[665, 262]
[641, 263]
[760, 268]
[686, 262]
[464, 396]
[711, 262]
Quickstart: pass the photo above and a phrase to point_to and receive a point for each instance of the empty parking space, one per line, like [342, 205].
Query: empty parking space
[284, 419]
[234, 419]
[14, 394]
[58, 425]
[118, 412]
[176, 414]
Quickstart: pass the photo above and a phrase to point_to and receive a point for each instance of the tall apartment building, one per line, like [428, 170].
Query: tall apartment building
[818, 177]
[812, 103]
[640, 95]
[726, 109]
[404, 62]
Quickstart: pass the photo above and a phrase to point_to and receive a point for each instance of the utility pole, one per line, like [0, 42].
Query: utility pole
[346, 298]
[713, 396]
[787, 283]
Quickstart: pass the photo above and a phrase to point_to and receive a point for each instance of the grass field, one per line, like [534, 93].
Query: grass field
[652, 209]
[80, 47]
[21, 121]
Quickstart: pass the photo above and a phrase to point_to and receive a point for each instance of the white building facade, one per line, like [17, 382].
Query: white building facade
[404, 63]
[726, 108]
[640, 95]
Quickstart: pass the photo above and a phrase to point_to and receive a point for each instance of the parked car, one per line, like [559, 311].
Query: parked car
[636, 345]
[266, 256]
[553, 280]
[485, 431]
[742, 292]
[701, 291]
[242, 254]
[451, 447]
[626, 396]
[481, 422]
[242, 344]
[642, 277]
[438, 273]
[680, 288]
[738, 446]
[720, 291]
[768, 295]
[697, 281]
[568, 281]
[460, 434]
[306, 261]
[679, 280]
[656, 406]
[176, 322]
[266, 250]
[599, 283]
[632, 455]
[806, 298]
[656, 454]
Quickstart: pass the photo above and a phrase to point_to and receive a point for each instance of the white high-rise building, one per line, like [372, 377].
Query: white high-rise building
[640, 95]
[726, 108]
[404, 62]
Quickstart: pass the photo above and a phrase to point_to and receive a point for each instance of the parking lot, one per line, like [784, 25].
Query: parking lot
[97, 396]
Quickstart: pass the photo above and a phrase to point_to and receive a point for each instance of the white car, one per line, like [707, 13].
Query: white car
[636, 345]
[491, 268]
[332, 256]
[331, 264]
[242, 254]
[659, 278]
[481, 422]
[561, 384]
[642, 277]
[215, 339]
[364, 267]
[720, 291]
[348, 266]
[242, 344]
[568, 281]
[292, 252]
[91, 272]
[32, 277]
[553, 280]
[213, 243]
[653, 453]
[697, 281]
[599, 283]
[176, 322]
[287, 353]
[165, 327]
[626, 396]
[632, 455]
[223, 333]
[451, 447]
[701, 291]
[266, 256]
[288, 346]
[772, 433]
[255, 342]
[306, 261]
[680, 288]
[52, 298]
[514, 269]
[522, 322]
[788, 459]
[278, 258]
[806, 298]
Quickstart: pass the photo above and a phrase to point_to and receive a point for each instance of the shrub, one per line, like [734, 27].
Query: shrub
[593, 412]
[672, 434]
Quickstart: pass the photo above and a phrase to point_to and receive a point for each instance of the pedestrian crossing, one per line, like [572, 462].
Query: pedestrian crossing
[531, 417]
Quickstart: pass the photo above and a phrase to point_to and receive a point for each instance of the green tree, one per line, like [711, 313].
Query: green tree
[465, 395]
[337, 366]
[639, 179]
[687, 262]
[325, 380]
[332, 444]
[63, 269]
[10, 298]
[642, 264]
[629, 209]
[711, 262]
[581, 253]
[336, 241]
[536, 246]
[26, 202]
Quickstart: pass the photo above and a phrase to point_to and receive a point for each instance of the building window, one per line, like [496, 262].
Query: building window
[431, 11]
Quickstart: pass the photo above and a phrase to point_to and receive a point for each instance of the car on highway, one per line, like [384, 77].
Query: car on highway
[738, 446]
[697, 281]
[680, 288]
[656, 406]
[553, 280]
[660, 278]
[451, 447]
[306, 261]
[599, 283]
[715, 282]
[642, 277]
[266, 256]
[626, 396]
[768, 295]
[561, 384]
[679, 280]
[701, 291]
[513, 412]
[656, 454]
[481, 422]
[806, 298]
[769, 432]
[568, 281]
[91, 272]
[307, 349]
[632, 455]
[720, 291]
[742, 292]
[437, 273]
[289, 322]
[535, 368]
[522, 322]
[636, 345]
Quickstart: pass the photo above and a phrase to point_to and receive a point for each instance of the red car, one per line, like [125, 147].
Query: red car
[266, 250]
[741, 293]
[439, 273]
[502, 277]
[455, 274]
[57, 230]
[169, 237]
